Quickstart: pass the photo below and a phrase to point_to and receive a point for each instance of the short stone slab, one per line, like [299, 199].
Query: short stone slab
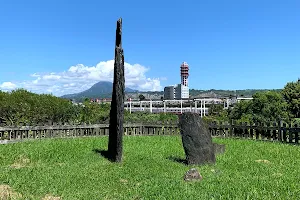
[192, 175]
[10, 141]
[196, 140]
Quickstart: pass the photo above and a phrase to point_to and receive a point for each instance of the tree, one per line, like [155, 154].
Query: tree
[242, 111]
[291, 94]
[141, 97]
[215, 109]
[265, 107]
[16, 106]
[94, 112]
[22, 106]
[269, 106]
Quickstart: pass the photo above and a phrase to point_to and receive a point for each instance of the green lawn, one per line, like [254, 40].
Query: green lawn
[70, 169]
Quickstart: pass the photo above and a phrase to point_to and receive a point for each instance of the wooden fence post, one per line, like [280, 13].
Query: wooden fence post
[291, 133]
[280, 131]
[296, 134]
[231, 128]
[268, 131]
[257, 131]
[251, 131]
[274, 131]
[284, 132]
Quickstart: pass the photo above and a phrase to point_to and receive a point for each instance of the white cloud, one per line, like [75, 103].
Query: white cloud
[80, 77]
[51, 76]
[7, 86]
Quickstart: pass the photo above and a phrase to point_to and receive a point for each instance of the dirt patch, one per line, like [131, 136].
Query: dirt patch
[6, 192]
[263, 161]
[123, 181]
[50, 197]
[20, 162]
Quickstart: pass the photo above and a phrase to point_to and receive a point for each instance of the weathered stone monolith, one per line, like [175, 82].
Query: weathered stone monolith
[115, 140]
[196, 140]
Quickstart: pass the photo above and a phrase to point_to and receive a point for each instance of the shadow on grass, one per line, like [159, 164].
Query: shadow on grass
[103, 153]
[179, 160]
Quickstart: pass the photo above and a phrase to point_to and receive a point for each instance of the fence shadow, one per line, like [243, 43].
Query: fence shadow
[178, 160]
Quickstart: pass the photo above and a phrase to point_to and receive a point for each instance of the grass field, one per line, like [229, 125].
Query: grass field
[70, 169]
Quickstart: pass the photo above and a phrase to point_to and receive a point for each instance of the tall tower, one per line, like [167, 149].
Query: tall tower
[184, 73]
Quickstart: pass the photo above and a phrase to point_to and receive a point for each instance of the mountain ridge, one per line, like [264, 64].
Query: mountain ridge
[103, 89]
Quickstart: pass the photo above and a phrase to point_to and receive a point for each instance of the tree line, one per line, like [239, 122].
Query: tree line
[230, 93]
[23, 107]
[266, 106]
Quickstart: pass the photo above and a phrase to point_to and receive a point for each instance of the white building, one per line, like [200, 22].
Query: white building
[181, 92]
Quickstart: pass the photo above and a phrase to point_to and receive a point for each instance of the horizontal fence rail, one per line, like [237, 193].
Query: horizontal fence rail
[62, 131]
[280, 132]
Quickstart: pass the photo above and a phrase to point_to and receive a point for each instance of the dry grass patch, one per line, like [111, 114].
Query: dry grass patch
[6, 192]
[21, 162]
[263, 161]
[123, 181]
[50, 197]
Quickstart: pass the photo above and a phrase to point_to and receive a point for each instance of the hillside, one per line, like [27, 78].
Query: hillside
[227, 93]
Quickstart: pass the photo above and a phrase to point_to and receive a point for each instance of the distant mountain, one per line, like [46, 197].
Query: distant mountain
[102, 89]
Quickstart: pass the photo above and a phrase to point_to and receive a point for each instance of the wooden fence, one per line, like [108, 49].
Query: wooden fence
[280, 132]
[62, 131]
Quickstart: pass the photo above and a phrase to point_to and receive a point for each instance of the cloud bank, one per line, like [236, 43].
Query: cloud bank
[80, 77]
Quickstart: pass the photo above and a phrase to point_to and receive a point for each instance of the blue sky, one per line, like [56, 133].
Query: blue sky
[63, 47]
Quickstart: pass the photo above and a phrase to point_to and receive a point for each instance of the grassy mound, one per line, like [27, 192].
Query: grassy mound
[71, 169]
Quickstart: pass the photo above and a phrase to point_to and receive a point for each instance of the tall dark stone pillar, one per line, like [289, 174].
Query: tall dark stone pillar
[115, 140]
